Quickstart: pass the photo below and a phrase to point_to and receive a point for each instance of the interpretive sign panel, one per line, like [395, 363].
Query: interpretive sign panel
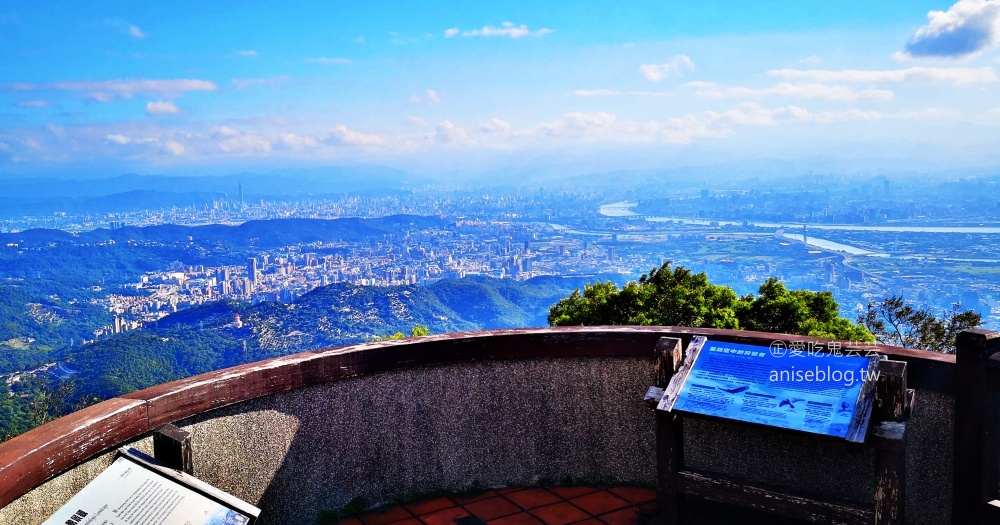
[806, 390]
[128, 493]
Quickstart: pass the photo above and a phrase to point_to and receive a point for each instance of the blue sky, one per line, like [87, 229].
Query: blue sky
[185, 86]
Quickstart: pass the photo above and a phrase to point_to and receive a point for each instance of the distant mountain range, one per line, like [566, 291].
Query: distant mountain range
[263, 233]
[44, 195]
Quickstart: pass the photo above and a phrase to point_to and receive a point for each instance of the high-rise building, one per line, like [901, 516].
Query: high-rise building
[252, 269]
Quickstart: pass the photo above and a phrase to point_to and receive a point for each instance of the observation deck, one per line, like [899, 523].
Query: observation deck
[317, 436]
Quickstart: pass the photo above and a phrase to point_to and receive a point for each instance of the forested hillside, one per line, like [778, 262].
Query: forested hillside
[208, 337]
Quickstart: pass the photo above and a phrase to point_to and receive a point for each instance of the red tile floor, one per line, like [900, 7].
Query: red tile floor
[520, 506]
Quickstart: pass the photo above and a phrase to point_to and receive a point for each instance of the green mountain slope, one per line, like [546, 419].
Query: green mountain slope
[206, 338]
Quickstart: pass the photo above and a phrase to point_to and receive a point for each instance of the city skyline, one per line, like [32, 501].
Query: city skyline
[451, 87]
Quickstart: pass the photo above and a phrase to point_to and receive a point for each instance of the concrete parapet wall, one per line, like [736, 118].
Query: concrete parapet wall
[463, 412]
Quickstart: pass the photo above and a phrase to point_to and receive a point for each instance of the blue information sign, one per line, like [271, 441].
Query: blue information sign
[795, 389]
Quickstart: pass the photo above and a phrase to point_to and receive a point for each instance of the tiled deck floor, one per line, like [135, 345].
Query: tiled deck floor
[550, 506]
[520, 506]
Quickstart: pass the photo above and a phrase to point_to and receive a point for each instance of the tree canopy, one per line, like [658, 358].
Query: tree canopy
[676, 296]
[893, 322]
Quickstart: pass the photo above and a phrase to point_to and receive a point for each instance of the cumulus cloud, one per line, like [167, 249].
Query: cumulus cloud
[785, 89]
[447, 132]
[340, 135]
[160, 107]
[427, 98]
[955, 75]
[576, 124]
[33, 104]
[676, 65]
[495, 125]
[173, 147]
[224, 131]
[249, 53]
[245, 144]
[416, 121]
[329, 60]
[147, 144]
[967, 27]
[296, 142]
[687, 128]
[507, 29]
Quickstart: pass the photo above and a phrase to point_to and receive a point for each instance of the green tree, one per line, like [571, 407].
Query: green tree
[417, 331]
[894, 322]
[678, 297]
[664, 296]
[777, 309]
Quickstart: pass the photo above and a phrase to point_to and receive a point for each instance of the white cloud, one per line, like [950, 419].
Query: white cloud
[446, 132]
[615, 93]
[249, 53]
[99, 96]
[329, 60]
[427, 98]
[577, 124]
[340, 135]
[811, 60]
[224, 131]
[297, 142]
[160, 107]
[118, 139]
[248, 144]
[676, 65]
[125, 27]
[450, 32]
[784, 89]
[495, 125]
[32, 104]
[955, 75]
[686, 128]
[174, 147]
[597, 93]
[967, 27]
[245, 83]
[108, 90]
[416, 121]
[507, 29]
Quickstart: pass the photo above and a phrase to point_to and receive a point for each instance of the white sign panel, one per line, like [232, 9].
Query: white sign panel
[129, 494]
